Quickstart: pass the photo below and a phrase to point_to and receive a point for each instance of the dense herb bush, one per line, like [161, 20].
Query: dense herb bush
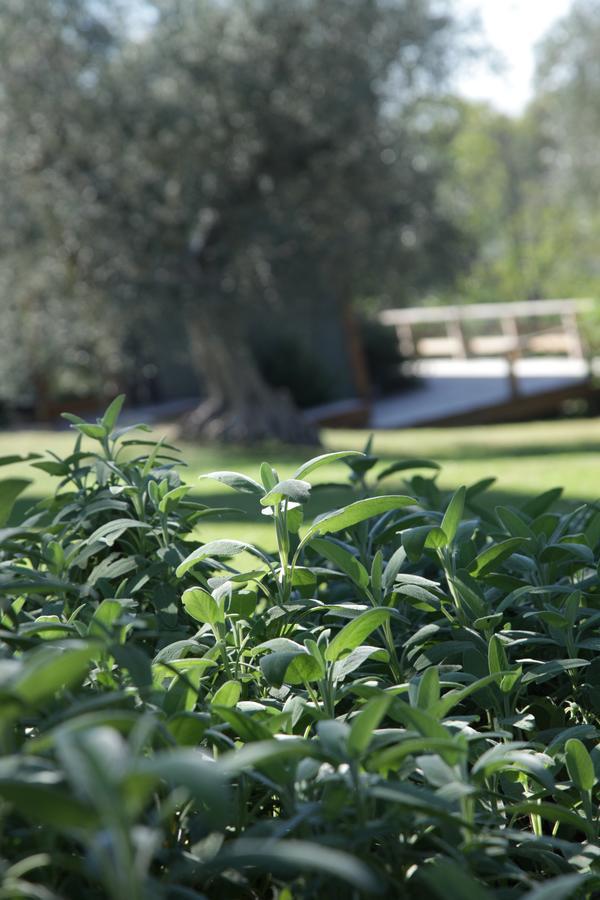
[402, 701]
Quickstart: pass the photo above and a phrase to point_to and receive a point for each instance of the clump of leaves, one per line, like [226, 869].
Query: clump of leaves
[405, 695]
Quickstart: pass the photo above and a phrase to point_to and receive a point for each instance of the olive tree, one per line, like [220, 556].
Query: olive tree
[225, 162]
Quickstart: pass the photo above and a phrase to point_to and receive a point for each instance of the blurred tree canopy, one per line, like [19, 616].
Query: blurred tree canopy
[220, 161]
[218, 169]
[524, 189]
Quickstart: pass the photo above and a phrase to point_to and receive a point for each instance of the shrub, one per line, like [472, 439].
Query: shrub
[401, 701]
[383, 358]
[285, 362]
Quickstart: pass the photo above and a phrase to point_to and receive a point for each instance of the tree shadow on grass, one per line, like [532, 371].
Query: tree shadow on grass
[465, 452]
[443, 446]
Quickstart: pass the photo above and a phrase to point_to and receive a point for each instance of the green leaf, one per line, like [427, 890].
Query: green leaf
[589, 732]
[171, 498]
[96, 432]
[189, 768]
[495, 554]
[278, 644]
[553, 812]
[109, 419]
[405, 464]
[353, 660]
[497, 658]
[579, 765]
[354, 633]
[436, 539]
[513, 522]
[324, 460]
[137, 663]
[560, 888]
[118, 719]
[508, 681]
[548, 670]
[366, 722]
[500, 667]
[17, 457]
[340, 519]
[291, 667]
[268, 476]
[228, 694]
[217, 549]
[248, 728]
[445, 873]
[47, 805]
[538, 505]
[392, 757]
[478, 488]
[291, 489]
[189, 664]
[453, 514]
[51, 467]
[241, 483]
[488, 622]
[428, 692]
[333, 737]
[74, 420]
[304, 667]
[50, 669]
[376, 575]
[314, 649]
[299, 856]
[110, 532]
[394, 564]
[104, 617]
[512, 756]
[55, 630]
[262, 752]
[202, 606]
[344, 560]
[443, 706]
[295, 519]
[10, 488]
[413, 541]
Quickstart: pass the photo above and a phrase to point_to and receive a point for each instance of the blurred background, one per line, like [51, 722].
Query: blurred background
[266, 216]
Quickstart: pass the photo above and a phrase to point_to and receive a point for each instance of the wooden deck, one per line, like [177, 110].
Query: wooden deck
[487, 362]
[477, 391]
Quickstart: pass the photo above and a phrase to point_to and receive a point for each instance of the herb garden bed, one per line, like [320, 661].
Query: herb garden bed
[402, 701]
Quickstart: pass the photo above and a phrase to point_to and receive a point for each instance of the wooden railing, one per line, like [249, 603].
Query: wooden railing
[513, 340]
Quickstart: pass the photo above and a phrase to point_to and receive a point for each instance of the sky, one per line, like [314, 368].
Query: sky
[512, 28]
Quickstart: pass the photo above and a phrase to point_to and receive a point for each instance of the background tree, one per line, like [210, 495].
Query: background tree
[495, 194]
[54, 318]
[523, 189]
[222, 162]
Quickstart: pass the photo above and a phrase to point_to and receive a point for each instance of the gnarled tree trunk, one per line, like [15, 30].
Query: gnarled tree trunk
[240, 407]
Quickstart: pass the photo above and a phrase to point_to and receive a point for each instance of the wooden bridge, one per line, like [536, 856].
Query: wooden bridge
[487, 362]
[511, 333]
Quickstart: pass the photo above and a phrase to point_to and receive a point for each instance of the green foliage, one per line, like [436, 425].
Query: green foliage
[242, 169]
[402, 696]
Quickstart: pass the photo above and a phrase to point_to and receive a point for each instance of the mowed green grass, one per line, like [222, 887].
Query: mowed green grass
[526, 459]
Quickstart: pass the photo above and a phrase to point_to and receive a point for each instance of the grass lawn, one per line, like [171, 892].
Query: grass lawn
[525, 459]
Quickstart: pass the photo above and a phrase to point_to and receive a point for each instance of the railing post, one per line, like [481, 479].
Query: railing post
[406, 341]
[510, 329]
[571, 329]
[454, 330]
[513, 381]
